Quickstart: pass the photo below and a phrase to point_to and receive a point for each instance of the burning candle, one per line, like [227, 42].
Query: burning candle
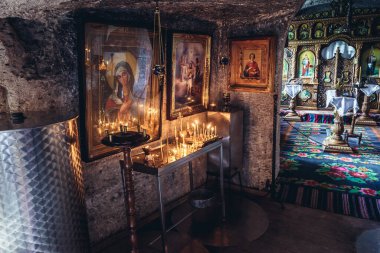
[183, 138]
[174, 153]
[208, 132]
[196, 127]
[181, 122]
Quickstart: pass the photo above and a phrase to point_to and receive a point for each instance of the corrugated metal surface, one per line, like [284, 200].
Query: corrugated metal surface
[42, 206]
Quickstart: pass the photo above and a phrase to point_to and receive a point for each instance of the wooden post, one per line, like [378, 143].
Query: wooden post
[129, 197]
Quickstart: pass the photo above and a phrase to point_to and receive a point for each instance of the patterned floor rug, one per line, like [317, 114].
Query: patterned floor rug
[343, 183]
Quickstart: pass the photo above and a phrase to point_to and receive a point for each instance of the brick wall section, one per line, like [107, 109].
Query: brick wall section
[38, 71]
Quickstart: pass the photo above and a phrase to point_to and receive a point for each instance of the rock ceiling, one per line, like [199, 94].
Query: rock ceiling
[254, 11]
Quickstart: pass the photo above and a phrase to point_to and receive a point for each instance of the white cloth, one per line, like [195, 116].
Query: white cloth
[369, 89]
[330, 94]
[344, 104]
[292, 90]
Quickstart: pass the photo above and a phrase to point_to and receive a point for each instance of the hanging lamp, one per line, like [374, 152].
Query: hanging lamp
[158, 48]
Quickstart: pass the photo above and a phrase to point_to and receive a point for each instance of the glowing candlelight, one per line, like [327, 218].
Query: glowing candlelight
[183, 138]
[180, 116]
[174, 153]
[196, 127]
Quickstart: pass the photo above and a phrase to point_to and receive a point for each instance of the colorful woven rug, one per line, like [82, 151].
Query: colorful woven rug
[322, 118]
[343, 183]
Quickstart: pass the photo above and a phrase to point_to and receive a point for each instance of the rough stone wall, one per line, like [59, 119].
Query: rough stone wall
[38, 64]
[259, 109]
[39, 71]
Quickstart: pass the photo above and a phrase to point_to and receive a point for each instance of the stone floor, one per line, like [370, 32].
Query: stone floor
[290, 230]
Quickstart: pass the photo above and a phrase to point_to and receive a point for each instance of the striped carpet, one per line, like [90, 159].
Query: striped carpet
[322, 118]
[342, 183]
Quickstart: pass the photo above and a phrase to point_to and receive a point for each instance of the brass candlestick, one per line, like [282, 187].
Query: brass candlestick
[335, 142]
[292, 107]
[292, 115]
[365, 119]
[126, 167]
[293, 87]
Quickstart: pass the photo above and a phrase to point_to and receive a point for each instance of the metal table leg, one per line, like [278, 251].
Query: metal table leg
[221, 184]
[191, 175]
[162, 213]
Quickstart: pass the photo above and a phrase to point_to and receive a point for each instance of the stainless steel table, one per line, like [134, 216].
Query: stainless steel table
[170, 167]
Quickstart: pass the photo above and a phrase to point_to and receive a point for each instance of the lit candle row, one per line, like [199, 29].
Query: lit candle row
[116, 126]
[189, 140]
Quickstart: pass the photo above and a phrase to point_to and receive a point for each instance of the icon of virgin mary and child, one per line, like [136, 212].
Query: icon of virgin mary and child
[121, 99]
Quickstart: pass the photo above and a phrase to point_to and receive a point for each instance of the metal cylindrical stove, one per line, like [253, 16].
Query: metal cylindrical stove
[42, 205]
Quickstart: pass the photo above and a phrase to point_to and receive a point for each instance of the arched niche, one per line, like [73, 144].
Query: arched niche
[304, 32]
[346, 51]
[319, 30]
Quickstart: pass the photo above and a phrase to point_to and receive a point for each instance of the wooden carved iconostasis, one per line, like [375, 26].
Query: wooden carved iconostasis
[313, 41]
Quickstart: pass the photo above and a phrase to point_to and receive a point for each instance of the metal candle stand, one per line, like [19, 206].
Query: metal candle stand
[127, 140]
